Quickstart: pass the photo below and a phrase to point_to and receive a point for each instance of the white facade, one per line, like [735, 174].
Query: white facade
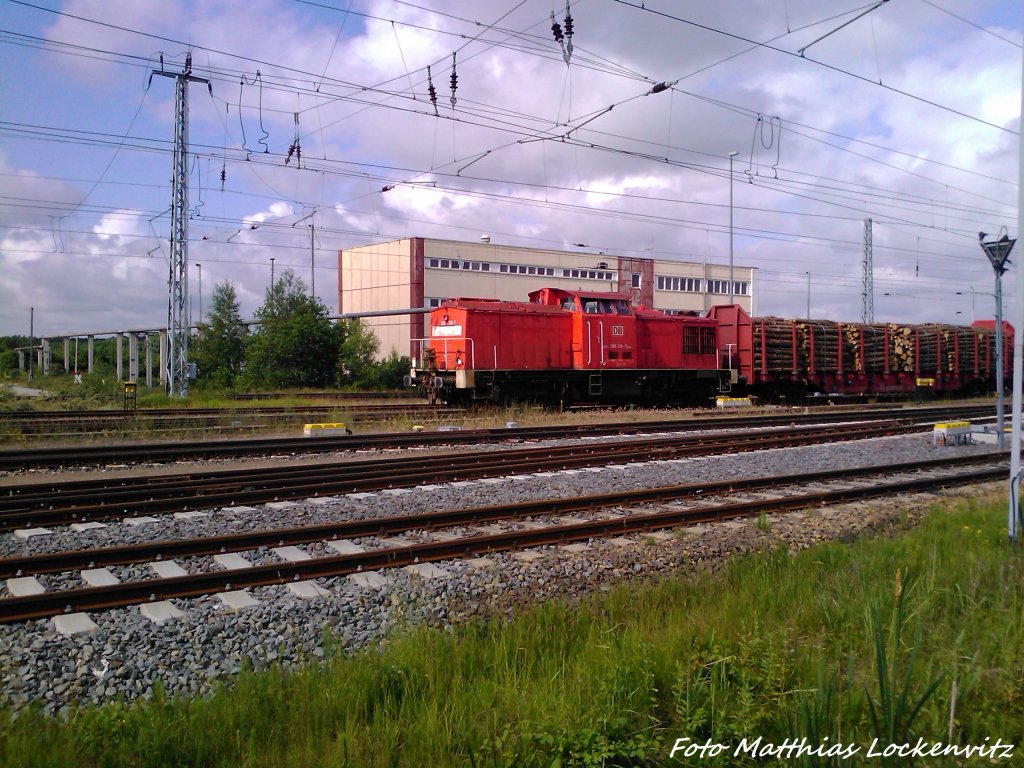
[420, 272]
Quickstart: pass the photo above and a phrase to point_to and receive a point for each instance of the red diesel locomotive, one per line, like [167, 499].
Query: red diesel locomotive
[566, 347]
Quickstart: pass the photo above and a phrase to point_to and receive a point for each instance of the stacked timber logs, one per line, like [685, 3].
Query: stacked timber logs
[776, 354]
[874, 348]
[901, 347]
[872, 338]
[819, 344]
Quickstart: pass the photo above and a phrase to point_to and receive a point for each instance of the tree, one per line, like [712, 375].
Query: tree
[358, 352]
[296, 344]
[218, 350]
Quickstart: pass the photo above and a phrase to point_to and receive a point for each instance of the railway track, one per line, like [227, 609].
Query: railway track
[63, 423]
[64, 503]
[326, 395]
[38, 458]
[676, 505]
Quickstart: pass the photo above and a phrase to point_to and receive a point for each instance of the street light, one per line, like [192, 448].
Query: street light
[808, 294]
[998, 252]
[312, 252]
[271, 273]
[731, 286]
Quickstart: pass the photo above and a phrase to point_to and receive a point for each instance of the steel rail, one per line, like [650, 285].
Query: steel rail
[188, 413]
[13, 497]
[55, 602]
[55, 562]
[148, 500]
[92, 455]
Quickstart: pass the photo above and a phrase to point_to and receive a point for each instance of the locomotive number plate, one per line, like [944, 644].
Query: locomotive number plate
[617, 330]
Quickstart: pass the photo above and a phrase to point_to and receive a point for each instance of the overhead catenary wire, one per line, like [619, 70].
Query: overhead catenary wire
[825, 65]
[460, 170]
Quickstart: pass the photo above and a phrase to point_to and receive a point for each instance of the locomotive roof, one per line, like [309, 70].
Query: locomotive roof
[580, 293]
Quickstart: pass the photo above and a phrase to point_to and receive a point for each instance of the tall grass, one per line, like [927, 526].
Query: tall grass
[817, 644]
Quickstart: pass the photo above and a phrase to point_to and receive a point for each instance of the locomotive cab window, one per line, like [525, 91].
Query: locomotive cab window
[591, 307]
[568, 304]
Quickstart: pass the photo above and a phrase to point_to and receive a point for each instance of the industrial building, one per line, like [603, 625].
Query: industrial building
[421, 272]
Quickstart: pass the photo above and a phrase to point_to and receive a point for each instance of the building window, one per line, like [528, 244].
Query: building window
[583, 274]
[680, 284]
[434, 302]
[635, 280]
[739, 287]
[472, 266]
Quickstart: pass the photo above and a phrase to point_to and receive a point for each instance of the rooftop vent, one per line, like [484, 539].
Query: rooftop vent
[485, 239]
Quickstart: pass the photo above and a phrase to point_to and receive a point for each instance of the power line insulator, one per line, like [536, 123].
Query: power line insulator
[556, 29]
[454, 81]
[431, 90]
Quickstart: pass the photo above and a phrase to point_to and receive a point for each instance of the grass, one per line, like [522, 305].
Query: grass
[895, 638]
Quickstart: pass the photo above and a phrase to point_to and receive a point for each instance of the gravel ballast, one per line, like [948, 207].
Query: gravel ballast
[125, 656]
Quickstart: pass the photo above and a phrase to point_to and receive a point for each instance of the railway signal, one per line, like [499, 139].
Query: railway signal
[998, 252]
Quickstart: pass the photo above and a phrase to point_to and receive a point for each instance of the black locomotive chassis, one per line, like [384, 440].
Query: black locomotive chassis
[644, 387]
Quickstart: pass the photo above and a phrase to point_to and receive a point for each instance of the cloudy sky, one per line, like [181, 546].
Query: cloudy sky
[908, 115]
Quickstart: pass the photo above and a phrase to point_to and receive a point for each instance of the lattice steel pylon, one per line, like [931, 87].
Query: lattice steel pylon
[867, 294]
[176, 374]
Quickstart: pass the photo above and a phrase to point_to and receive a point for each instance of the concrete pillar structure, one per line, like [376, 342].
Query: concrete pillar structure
[21, 360]
[118, 356]
[163, 354]
[92, 341]
[149, 359]
[67, 353]
[44, 357]
[133, 357]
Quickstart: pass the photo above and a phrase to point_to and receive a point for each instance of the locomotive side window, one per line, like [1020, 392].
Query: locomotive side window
[691, 341]
[590, 307]
[568, 304]
[707, 341]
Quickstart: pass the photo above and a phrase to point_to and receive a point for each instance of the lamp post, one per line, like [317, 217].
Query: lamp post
[271, 273]
[998, 252]
[731, 286]
[200, 266]
[312, 251]
[808, 294]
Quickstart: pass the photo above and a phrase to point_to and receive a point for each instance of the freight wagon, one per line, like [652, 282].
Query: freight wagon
[777, 358]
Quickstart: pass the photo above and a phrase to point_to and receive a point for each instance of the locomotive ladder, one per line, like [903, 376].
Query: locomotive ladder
[595, 384]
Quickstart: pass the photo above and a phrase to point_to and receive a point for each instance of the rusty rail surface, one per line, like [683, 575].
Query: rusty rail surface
[56, 602]
[90, 501]
[167, 451]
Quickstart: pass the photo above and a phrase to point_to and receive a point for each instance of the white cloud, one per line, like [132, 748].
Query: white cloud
[513, 84]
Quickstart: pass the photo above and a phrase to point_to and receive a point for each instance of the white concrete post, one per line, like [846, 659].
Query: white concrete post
[133, 357]
[162, 335]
